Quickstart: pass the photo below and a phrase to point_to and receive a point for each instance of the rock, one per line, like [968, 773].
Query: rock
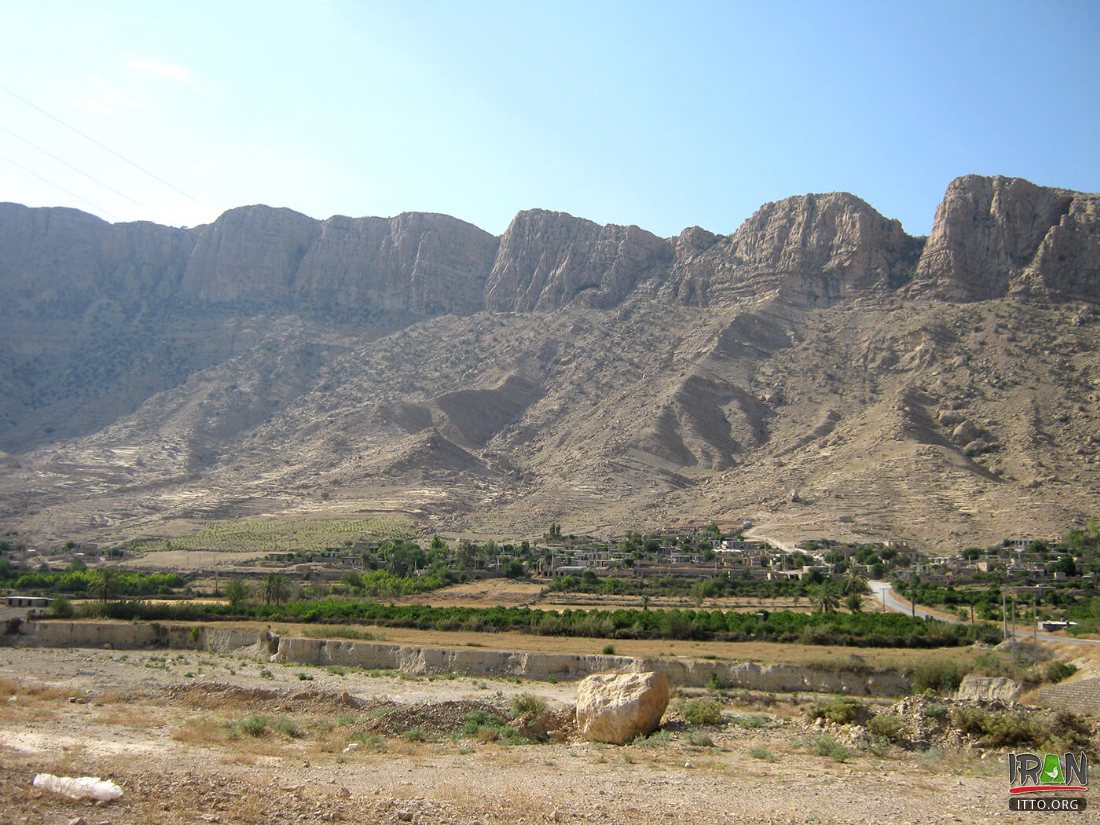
[614, 708]
[814, 249]
[548, 260]
[996, 235]
[79, 820]
[950, 418]
[988, 689]
[977, 447]
[965, 432]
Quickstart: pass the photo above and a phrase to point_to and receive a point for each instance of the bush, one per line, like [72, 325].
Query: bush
[701, 711]
[526, 704]
[61, 608]
[841, 711]
[825, 744]
[1057, 671]
[935, 710]
[608, 650]
[761, 753]
[751, 720]
[887, 726]
[254, 726]
[938, 675]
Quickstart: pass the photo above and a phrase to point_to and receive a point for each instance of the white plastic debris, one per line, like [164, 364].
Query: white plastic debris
[79, 787]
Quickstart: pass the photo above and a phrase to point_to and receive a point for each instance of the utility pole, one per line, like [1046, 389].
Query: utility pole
[1004, 612]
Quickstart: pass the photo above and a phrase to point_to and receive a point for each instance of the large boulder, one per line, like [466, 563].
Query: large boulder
[614, 707]
[989, 689]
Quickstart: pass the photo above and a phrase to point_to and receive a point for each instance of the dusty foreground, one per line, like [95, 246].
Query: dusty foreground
[205, 738]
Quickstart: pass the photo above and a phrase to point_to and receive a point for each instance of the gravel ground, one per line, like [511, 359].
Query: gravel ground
[173, 729]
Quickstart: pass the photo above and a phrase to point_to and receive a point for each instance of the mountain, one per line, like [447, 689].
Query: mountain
[818, 370]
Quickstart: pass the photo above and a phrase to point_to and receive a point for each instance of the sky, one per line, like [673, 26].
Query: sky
[660, 114]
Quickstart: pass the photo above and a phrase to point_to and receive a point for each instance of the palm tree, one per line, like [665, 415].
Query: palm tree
[854, 602]
[825, 600]
[855, 584]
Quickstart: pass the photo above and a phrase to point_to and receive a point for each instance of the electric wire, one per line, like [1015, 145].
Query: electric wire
[59, 186]
[91, 139]
[64, 162]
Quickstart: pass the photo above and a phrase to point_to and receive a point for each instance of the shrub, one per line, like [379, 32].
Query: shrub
[61, 608]
[750, 720]
[938, 675]
[608, 650]
[825, 744]
[254, 726]
[526, 704]
[304, 677]
[700, 740]
[999, 729]
[935, 710]
[887, 726]
[287, 728]
[1057, 671]
[762, 753]
[701, 711]
[842, 711]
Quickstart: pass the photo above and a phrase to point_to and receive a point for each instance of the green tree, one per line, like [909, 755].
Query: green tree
[107, 584]
[825, 600]
[236, 591]
[854, 602]
[855, 584]
[276, 588]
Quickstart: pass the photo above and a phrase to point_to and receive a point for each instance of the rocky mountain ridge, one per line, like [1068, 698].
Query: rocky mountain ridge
[819, 369]
[991, 236]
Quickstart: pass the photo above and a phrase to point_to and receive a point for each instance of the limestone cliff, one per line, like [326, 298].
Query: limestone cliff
[548, 260]
[814, 250]
[995, 236]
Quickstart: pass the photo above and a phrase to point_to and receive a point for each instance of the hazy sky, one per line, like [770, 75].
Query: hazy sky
[664, 115]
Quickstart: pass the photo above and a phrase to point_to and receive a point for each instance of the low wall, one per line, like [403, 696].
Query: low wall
[779, 676]
[1082, 696]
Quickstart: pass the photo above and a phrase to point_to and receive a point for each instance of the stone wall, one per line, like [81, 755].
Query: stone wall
[780, 677]
[1082, 696]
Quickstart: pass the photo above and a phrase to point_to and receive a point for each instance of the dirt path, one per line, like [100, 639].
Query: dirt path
[173, 729]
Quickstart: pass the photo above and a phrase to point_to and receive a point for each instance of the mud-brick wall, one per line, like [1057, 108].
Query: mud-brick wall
[1082, 696]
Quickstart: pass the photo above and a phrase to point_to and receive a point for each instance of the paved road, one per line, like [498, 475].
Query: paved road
[884, 594]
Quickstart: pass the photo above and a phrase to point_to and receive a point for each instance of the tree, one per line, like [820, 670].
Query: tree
[276, 588]
[236, 591]
[107, 584]
[855, 584]
[514, 569]
[825, 600]
[854, 602]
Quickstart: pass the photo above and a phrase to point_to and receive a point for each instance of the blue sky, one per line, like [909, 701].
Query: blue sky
[663, 115]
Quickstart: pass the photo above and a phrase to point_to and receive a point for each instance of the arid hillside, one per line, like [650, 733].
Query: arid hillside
[818, 371]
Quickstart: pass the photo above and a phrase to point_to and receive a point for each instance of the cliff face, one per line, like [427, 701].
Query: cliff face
[992, 237]
[813, 249]
[63, 260]
[254, 257]
[550, 259]
[421, 263]
[995, 236]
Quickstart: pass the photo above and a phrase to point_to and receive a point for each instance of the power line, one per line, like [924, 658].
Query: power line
[87, 137]
[66, 163]
[59, 186]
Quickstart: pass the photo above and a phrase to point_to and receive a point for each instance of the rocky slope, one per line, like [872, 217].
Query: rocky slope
[818, 370]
